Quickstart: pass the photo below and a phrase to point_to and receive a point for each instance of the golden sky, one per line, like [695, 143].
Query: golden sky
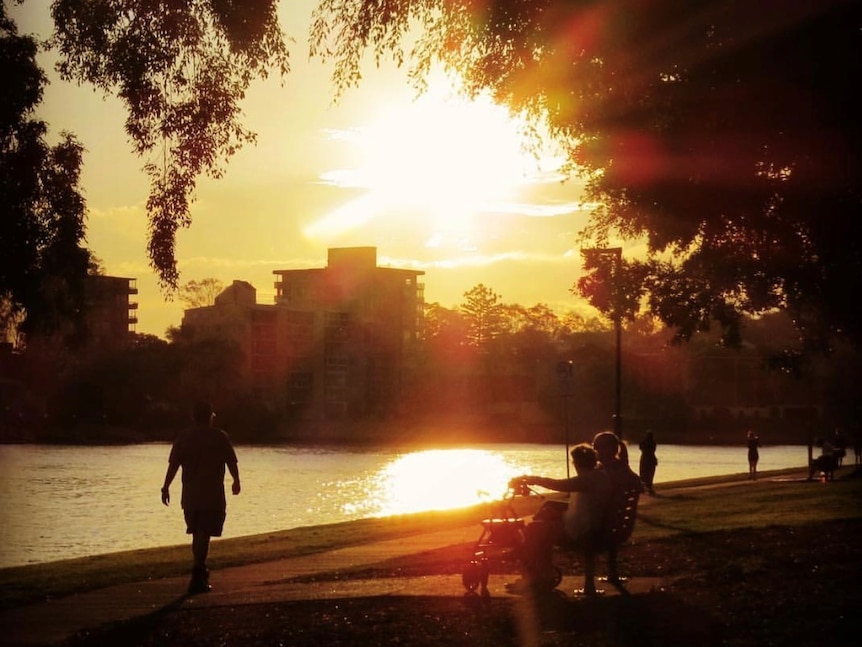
[435, 183]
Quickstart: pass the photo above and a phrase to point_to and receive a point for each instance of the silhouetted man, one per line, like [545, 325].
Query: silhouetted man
[202, 451]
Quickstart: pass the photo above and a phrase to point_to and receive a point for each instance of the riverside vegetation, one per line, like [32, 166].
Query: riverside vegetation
[775, 562]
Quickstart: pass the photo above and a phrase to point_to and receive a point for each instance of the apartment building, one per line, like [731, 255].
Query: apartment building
[110, 315]
[339, 342]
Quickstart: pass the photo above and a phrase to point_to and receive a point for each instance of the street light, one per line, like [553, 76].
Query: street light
[617, 254]
[565, 377]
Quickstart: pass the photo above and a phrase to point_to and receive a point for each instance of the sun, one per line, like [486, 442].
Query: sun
[447, 156]
[441, 160]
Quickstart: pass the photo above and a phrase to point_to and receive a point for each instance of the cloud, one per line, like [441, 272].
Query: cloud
[538, 210]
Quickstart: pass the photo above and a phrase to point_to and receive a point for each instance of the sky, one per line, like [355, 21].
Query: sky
[435, 183]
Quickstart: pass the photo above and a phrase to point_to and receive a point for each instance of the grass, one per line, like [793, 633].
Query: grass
[748, 505]
[701, 506]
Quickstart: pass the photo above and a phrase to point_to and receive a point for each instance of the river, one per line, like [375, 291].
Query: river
[60, 502]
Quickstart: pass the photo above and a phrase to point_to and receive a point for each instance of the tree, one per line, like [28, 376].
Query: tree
[484, 315]
[540, 317]
[574, 322]
[42, 261]
[181, 67]
[10, 321]
[195, 294]
[443, 327]
[723, 133]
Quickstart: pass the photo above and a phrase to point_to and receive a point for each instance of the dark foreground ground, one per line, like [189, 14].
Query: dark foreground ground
[783, 586]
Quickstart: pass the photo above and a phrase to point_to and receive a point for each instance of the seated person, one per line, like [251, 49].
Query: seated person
[585, 523]
[584, 511]
[614, 461]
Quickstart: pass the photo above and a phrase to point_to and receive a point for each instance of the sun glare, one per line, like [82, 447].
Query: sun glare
[442, 479]
[442, 157]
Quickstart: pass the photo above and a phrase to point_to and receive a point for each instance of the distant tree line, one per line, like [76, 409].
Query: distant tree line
[487, 371]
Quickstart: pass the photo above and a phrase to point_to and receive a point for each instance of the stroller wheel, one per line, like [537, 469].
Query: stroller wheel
[472, 575]
[549, 581]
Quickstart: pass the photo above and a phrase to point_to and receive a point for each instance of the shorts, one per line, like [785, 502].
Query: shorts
[206, 522]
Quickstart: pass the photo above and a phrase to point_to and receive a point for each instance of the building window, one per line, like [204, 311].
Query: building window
[300, 388]
[337, 363]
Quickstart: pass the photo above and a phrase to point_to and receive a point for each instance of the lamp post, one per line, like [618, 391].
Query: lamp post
[617, 254]
[565, 376]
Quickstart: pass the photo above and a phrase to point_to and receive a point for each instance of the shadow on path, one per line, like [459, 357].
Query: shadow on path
[423, 621]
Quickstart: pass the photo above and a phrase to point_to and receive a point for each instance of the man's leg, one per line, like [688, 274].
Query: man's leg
[589, 557]
[200, 575]
[613, 575]
[200, 549]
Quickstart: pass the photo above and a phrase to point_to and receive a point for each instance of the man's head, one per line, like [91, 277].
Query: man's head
[202, 413]
[606, 445]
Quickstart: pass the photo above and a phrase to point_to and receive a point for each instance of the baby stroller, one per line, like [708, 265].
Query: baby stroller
[501, 538]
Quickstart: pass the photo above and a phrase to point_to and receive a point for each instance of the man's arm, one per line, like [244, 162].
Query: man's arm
[169, 477]
[233, 468]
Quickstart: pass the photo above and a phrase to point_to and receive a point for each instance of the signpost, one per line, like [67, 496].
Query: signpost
[565, 378]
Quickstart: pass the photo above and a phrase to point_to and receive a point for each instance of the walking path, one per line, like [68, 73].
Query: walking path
[53, 621]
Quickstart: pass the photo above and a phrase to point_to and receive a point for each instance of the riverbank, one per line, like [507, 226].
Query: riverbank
[735, 562]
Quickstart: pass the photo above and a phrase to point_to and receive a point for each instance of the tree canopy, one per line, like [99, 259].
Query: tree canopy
[181, 67]
[723, 133]
[484, 314]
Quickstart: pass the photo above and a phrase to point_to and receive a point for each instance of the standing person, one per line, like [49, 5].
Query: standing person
[202, 451]
[857, 447]
[648, 461]
[839, 447]
[753, 454]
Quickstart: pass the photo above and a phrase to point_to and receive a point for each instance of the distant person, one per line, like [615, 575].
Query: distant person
[827, 448]
[753, 454]
[202, 451]
[839, 447]
[826, 463]
[648, 461]
[857, 447]
[586, 519]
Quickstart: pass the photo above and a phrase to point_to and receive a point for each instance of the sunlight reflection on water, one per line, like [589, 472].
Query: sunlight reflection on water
[440, 479]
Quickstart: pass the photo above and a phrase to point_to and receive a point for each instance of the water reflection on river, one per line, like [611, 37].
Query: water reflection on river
[60, 502]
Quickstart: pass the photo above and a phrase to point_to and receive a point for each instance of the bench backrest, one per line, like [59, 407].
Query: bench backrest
[620, 522]
[622, 514]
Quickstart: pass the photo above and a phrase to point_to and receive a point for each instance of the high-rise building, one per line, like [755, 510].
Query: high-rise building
[340, 341]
